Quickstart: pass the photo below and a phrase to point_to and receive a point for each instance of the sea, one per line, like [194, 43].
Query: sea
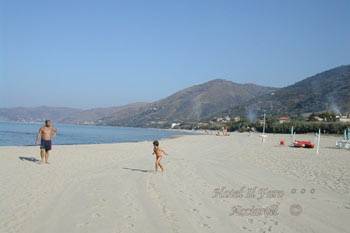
[24, 134]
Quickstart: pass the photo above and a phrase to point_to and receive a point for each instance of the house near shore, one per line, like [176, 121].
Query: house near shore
[344, 118]
[236, 118]
[173, 125]
[317, 118]
[222, 119]
[283, 119]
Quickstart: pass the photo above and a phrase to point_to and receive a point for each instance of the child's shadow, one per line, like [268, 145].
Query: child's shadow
[137, 169]
[29, 159]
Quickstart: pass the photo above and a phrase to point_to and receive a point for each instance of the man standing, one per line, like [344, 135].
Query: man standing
[46, 134]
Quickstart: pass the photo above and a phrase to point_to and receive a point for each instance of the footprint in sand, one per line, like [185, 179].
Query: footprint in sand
[245, 228]
[82, 224]
[274, 222]
[206, 225]
[96, 215]
[347, 205]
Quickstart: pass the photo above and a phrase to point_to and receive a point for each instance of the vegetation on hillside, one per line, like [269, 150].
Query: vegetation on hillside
[326, 121]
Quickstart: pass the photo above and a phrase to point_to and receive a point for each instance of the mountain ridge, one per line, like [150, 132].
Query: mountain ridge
[325, 91]
[194, 103]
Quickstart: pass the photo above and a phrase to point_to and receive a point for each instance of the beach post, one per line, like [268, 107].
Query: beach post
[345, 135]
[292, 133]
[318, 141]
[264, 126]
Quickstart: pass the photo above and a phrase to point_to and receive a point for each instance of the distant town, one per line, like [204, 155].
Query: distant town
[329, 122]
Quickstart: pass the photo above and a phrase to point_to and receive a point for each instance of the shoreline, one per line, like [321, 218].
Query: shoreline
[92, 144]
[198, 133]
[103, 143]
[17, 134]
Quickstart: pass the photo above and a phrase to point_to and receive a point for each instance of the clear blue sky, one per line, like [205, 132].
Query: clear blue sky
[101, 53]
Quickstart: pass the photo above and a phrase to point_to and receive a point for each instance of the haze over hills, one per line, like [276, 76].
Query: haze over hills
[67, 115]
[326, 91]
[96, 115]
[193, 104]
[36, 114]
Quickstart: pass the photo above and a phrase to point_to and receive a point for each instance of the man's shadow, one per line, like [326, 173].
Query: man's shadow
[137, 169]
[29, 159]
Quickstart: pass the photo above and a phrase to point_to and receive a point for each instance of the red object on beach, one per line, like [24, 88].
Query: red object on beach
[282, 142]
[303, 144]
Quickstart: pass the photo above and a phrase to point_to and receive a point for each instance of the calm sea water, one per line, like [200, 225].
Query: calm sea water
[15, 134]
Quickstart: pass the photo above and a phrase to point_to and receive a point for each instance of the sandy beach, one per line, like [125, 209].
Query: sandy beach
[211, 184]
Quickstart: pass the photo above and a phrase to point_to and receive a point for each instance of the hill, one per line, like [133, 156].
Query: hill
[192, 104]
[96, 115]
[36, 114]
[326, 91]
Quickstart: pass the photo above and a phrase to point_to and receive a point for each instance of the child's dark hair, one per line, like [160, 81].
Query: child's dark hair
[155, 143]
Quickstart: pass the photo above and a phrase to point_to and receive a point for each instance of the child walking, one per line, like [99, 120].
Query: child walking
[159, 153]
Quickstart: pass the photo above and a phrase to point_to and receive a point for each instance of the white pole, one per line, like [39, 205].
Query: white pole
[318, 141]
[345, 135]
[294, 136]
[263, 134]
[264, 124]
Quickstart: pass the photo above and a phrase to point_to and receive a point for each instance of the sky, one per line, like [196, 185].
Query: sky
[85, 54]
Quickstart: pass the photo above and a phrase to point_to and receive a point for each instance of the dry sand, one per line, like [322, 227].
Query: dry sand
[208, 186]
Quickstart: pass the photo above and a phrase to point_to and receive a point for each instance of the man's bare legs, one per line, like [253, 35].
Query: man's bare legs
[46, 156]
[42, 155]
